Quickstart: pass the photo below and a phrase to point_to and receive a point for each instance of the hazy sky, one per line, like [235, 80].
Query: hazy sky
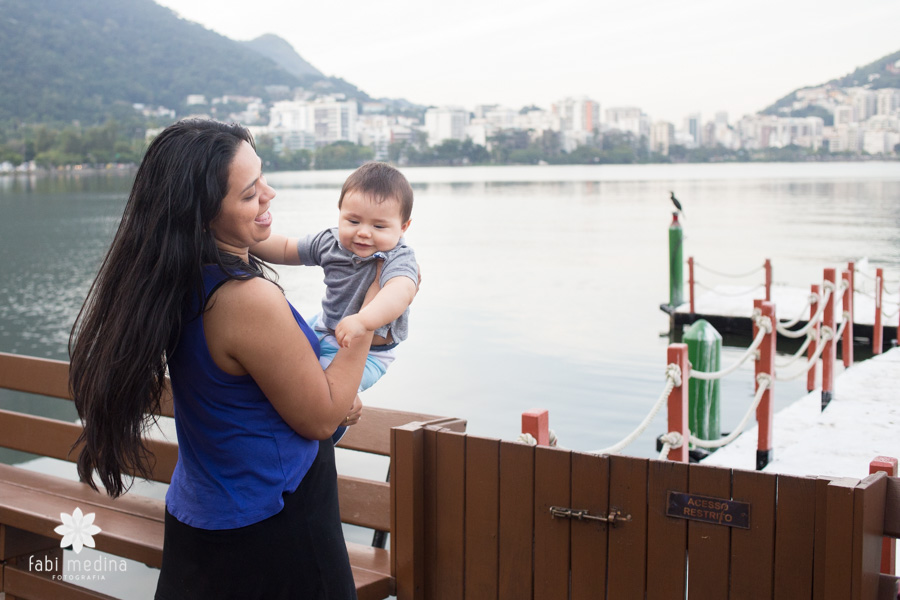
[668, 57]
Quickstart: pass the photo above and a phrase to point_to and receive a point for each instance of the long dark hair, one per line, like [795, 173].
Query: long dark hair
[131, 319]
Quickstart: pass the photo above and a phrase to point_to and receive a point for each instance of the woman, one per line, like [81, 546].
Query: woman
[252, 508]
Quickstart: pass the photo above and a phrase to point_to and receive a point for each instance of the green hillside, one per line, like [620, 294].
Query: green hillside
[83, 60]
[882, 73]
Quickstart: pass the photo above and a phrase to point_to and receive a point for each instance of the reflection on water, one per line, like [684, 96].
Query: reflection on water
[541, 284]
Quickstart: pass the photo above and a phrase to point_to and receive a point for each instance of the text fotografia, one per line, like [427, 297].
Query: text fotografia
[719, 511]
[76, 569]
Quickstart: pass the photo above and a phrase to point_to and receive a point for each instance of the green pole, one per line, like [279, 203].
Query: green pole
[676, 263]
[704, 349]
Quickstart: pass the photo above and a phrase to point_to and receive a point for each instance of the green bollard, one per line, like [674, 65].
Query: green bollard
[676, 263]
[704, 349]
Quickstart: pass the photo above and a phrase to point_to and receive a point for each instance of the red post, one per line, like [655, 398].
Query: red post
[851, 266]
[887, 464]
[691, 282]
[537, 422]
[898, 324]
[878, 329]
[829, 354]
[811, 349]
[765, 364]
[847, 340]
[768, 267]
[678, 400]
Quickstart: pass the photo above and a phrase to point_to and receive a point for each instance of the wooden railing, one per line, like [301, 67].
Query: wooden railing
[472, 519]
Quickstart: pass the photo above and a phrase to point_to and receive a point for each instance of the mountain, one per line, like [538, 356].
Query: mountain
[67, 60]
[882, 73]
[284, 55]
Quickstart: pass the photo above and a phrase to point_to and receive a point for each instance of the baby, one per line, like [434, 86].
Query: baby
[375, 207]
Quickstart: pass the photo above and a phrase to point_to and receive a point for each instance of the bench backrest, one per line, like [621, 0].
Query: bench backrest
[364, 502]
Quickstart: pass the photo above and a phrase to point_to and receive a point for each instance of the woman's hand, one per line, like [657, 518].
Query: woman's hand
[355, 413]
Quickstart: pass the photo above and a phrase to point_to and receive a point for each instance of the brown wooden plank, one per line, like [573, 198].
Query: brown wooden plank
[18, 542]
[868, 526]
[795, 523]
[552, 480]
[364, 502]
[821, 537]
[450, 477]
[590, 491]
[22, 584]
[49, 437]
[892, 508]
[666, 536]
[373, 432]
[709, 545]
[627, 571]
[407, 512]
[121, 534]
[516, 521]
[753, 550]
[482, 516]
[371, 585]
[839, 539]
[34, 375]
[429, 491]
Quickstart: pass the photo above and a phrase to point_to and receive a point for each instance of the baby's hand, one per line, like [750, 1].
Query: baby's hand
[350, 328]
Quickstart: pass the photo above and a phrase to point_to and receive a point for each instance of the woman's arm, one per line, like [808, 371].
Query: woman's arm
[278, 250]
[251, 329]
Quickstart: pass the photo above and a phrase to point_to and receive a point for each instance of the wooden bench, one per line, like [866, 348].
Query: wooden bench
[132, 525]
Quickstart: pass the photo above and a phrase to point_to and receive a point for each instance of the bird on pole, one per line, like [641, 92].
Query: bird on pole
[676, 203]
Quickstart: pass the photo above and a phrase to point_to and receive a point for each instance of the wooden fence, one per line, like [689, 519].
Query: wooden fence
[472, 519]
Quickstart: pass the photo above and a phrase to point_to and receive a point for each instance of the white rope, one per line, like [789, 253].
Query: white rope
[714, 272]
[873, 277]
[829, 288]
[825, 335]
[743, 292]
[764, 380]
[673, 380]
[671, 441]
[527, 438]
[890, 315]
[812, 299]
[765, 326]
[796, 356]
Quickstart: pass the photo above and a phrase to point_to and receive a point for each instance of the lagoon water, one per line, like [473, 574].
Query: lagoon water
[541, 285]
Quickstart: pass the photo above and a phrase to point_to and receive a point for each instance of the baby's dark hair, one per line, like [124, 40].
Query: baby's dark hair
[382, 183]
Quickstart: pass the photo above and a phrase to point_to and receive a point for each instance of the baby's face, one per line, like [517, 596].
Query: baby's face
[367, 227]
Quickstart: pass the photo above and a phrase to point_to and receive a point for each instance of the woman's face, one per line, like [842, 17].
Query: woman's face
[244, 219]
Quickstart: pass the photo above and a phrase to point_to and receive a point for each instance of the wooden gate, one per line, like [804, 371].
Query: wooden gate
[472, 519]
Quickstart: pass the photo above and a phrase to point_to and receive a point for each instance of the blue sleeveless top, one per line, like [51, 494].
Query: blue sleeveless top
[236, 455]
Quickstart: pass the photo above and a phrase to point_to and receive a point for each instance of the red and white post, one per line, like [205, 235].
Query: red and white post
[765, 364]
[887, 464]
[537, 423]
[768, 267]
[690, 262]
[811, 349]
[829, 354]
[678, 401]
[878, 329]
[847, 339]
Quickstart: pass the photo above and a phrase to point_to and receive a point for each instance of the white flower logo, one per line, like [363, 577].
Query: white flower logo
[77, 530]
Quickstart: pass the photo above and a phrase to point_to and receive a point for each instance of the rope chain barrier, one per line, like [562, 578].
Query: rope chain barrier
[796, 356]
[764, 380]
[673, 380]
[871, 278]
[736, 276]
[798, 333]
[826, 335]
[743, 292]
[765, 327]
[810, 300]
[671, 441]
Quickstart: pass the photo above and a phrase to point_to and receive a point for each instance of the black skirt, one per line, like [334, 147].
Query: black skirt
[297, 554]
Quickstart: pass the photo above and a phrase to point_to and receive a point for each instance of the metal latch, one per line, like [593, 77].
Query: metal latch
[614, 516]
